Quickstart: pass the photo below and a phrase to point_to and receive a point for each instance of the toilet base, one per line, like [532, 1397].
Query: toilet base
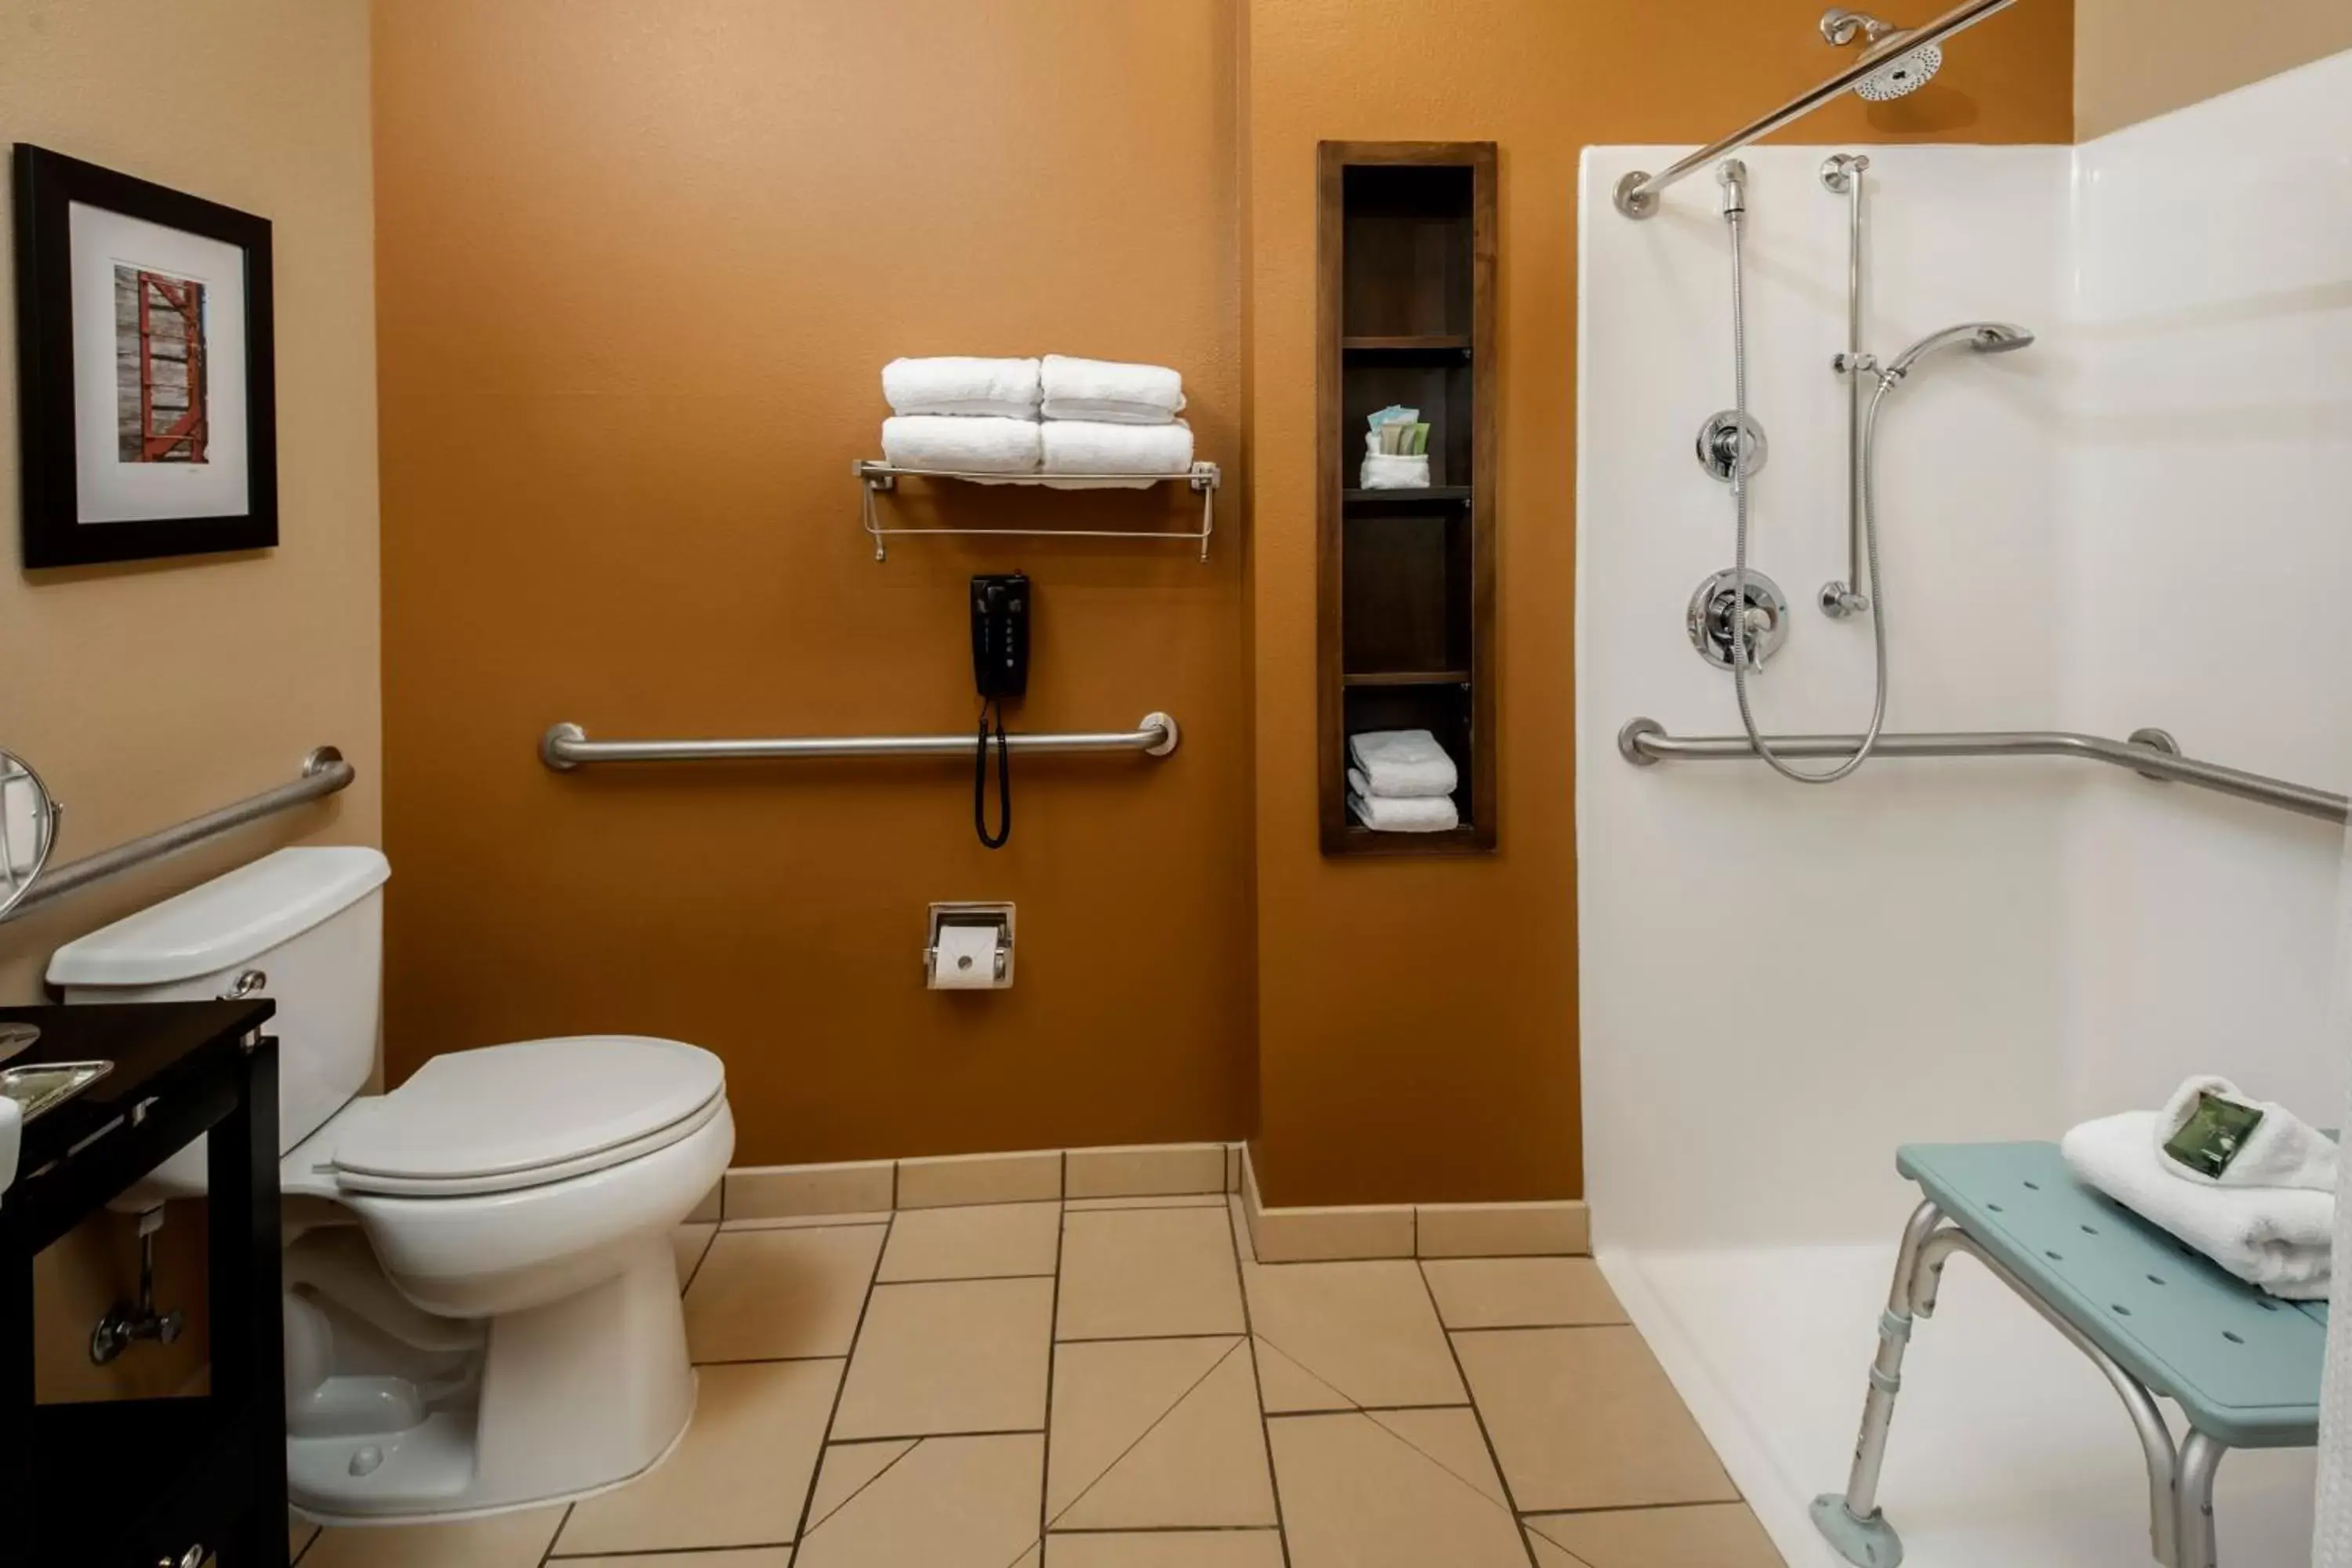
[565, 1400]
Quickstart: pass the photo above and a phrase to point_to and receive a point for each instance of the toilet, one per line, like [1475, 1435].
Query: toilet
[481, 1297]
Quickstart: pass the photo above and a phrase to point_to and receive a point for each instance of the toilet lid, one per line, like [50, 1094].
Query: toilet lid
[506, 1116]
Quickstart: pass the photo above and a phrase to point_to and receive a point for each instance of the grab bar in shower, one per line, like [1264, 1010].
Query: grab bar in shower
[567, 746]
[324, 773]
[2152, 753]
[1637, 193]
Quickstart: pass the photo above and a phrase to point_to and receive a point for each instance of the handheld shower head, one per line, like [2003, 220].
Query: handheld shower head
[1982, 337]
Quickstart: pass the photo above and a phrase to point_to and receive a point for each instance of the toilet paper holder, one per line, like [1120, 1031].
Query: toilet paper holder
[994, 918]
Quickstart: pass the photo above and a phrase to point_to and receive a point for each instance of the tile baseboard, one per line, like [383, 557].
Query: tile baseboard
[1311, 1234]
[1152, 1170]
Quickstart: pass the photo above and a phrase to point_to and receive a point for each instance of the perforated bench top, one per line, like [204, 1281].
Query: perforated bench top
[2244, 1366]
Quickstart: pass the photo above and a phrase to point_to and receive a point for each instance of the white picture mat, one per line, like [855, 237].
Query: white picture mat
[111, 491]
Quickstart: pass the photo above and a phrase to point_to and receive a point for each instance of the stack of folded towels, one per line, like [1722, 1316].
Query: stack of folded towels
[1094, 420]
[1401, 780]
[2255, 1192]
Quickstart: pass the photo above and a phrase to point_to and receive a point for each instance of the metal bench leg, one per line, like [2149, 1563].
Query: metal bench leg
[2200, 1457]
[1852, 1522]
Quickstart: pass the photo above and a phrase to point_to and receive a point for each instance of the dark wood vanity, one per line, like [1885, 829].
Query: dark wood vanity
[146, 1482]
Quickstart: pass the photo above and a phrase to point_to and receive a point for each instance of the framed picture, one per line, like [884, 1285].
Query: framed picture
[145, 375]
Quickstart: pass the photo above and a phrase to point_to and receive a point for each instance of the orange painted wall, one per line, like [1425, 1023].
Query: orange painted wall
[639, 267]
[1417, 1021]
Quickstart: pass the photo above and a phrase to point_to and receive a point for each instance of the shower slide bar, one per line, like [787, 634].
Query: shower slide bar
[1637, 193]
[2151, 754]
[567, 746]
[324, 773]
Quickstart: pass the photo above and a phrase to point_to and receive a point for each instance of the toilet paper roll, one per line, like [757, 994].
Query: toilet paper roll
[964, 958]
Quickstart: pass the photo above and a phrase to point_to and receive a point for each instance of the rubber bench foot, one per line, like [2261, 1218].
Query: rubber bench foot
[1865, 1543]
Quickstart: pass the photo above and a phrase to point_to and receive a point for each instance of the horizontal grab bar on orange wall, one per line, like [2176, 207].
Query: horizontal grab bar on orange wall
[567, 746]
[2151, 754]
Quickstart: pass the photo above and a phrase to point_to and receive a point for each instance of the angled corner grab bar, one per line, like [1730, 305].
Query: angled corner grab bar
[567, 746]
[2151, 754]
[324, 773]
[1637, 193]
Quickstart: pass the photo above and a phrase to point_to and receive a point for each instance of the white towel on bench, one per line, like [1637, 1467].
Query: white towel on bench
[2282, 1151]
[2280, 1239]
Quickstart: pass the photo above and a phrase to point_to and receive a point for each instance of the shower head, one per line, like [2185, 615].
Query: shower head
[1899, 77]
[1983, 337]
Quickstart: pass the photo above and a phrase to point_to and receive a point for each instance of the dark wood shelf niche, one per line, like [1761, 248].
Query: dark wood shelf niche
[1405, 615]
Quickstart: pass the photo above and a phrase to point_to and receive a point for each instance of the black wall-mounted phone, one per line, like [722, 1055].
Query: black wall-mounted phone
[999, 633]
[999, 669]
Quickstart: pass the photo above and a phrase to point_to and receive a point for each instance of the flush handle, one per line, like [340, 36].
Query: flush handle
[253, 981]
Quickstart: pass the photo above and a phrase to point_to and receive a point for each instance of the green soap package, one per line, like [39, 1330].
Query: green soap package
[2214, 1134]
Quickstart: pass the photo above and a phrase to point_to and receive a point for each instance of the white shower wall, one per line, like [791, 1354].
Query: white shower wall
[2141, 521]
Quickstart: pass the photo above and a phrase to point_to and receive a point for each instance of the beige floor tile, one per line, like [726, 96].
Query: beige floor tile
[738, 1478]
[1357, 1494]
[810, 1221]
[1160, 1201]
[1126, 1273]
[960, 1356]
[1521, 1292]
[299, 1533]
[753, 1557]
[1145, 1168]
[764, 1294]
[1585, 1418]
[690, 1242]
[1028, 1177]
[1193, 1549]
[1709, 1535]
[507, 1540]
[949, 1502]
[1156, 1434]
[848, 1469]
[1337, 1335]
[986, 1242]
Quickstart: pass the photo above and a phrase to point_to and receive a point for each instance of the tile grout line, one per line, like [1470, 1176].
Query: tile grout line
[1120, 1458]
[816, 1471]
[1235, 1226]
[1053, 1355]
[812, 1526]
[1510, 1500]
[700, 1258]
[551, 1540]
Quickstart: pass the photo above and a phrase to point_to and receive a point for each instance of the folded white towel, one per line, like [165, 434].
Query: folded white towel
[2276, 1238]
[1085, 446]
[940, 442]
[2283, 1149]
[1109, 392]
[1383, 814]
[954, 383]
[1403, 764]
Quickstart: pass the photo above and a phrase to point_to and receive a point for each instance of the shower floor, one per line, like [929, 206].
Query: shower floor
[2008, 1446]
[1118, 1384]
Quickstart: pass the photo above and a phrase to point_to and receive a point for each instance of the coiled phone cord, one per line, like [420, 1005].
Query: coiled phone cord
[989, 706]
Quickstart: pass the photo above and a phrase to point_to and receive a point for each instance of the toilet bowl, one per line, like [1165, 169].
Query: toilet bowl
[481, 1301]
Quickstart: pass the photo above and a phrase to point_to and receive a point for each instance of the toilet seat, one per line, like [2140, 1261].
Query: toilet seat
[506, 1117]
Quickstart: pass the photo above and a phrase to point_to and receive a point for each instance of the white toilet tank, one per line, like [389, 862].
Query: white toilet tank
[310, 923]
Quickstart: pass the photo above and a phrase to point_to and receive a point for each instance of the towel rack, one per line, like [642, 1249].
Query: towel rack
[324, 772]
[2151, 754]
[567, 746]
[874, 477]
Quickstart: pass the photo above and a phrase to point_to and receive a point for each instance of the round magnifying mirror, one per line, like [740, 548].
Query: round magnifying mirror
[28, 828]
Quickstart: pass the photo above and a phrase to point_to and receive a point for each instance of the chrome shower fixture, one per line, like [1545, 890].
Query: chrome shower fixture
[1982, 337]
[1899, 77]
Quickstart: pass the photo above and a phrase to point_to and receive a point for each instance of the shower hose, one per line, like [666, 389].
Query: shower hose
[1733, 216]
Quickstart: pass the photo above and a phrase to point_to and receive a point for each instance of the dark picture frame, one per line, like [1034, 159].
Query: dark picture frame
[65, 526]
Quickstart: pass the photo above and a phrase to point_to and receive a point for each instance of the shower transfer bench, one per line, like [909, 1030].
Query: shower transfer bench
[2157, 1318]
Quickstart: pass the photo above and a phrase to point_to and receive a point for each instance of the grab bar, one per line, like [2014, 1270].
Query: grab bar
[2151, 754]
[567, 746]
[324, 773]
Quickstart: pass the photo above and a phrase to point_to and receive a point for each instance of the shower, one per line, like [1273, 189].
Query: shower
[1901, 77]
[1738, 452]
